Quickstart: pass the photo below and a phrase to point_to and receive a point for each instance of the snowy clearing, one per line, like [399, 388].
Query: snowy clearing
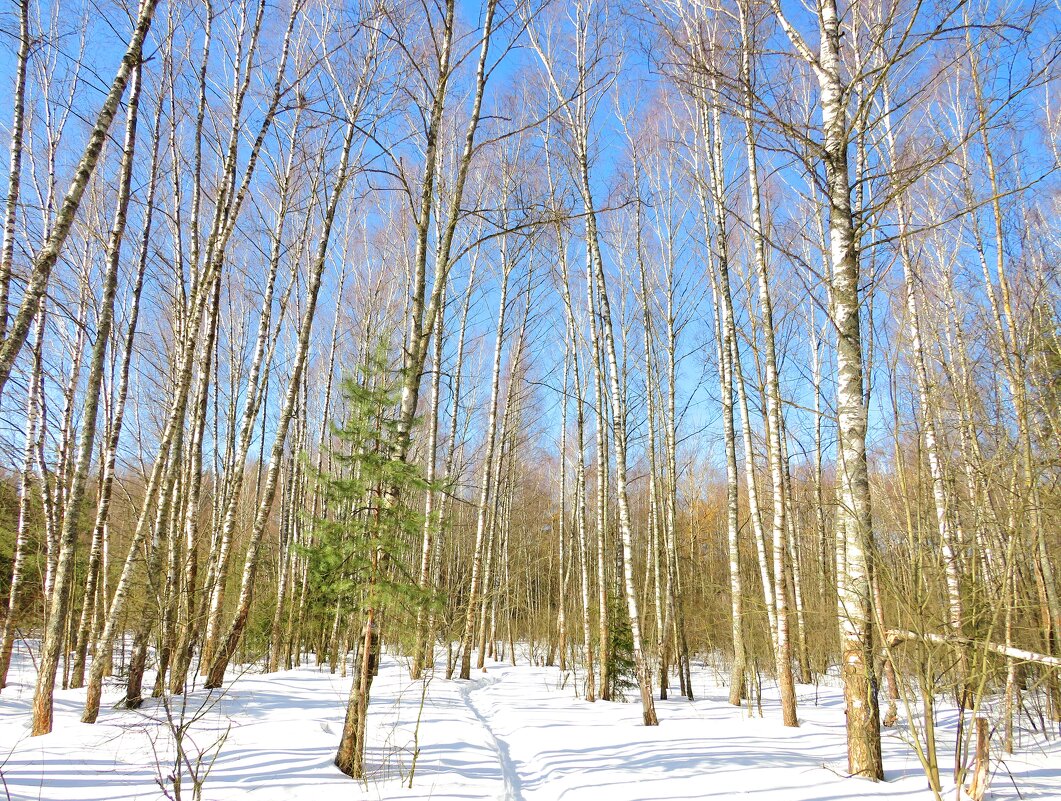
[513, 733]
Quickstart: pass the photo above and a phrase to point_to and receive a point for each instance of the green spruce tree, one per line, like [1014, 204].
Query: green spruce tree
[364, 547]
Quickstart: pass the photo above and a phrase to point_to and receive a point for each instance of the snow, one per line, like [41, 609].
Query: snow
[513, 733]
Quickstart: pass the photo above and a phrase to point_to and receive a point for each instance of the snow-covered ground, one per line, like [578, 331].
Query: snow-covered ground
[512, 733]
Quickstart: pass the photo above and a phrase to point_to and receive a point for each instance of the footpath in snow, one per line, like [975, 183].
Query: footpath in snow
[513, 733]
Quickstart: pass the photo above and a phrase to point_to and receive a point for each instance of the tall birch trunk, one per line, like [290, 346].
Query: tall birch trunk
[854, 520]
[782, 644]
[59, 606]
[486, 484]
[14, 174]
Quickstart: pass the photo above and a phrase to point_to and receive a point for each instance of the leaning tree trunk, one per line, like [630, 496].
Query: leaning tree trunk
[96, 568]
[59, 607]
[227, 212]
[45, 258]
